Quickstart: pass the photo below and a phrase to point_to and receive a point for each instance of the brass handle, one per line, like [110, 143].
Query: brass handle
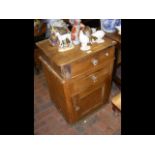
[107, 54]
[75, 101]
[94, 62]
[77, 108]
[94, 78]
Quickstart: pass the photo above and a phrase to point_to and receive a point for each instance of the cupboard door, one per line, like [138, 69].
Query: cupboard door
[90, 99]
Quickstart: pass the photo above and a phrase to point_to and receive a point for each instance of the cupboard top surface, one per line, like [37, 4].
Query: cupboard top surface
[114, 36]
[63, 58]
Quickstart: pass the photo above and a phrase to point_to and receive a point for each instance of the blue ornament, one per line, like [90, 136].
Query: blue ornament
[109, 25]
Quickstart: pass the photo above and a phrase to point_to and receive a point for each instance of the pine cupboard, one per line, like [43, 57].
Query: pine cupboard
[79, 82]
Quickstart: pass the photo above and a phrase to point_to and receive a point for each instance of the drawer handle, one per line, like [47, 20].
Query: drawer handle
[94, 78]
[94, 62]
[107, 54]
[75, 101]
[76, 108]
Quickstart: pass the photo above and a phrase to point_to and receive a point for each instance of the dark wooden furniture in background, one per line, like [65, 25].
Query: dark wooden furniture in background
[39, 34]
[116, 37]
[78, 82]
[88, 22]
[92, 23]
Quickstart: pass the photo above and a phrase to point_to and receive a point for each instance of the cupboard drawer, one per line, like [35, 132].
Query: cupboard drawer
[93, 61]
[90, 81]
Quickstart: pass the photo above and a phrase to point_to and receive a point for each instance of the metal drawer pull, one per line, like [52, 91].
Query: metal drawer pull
[77, 108]
[107, 54]
[94, 62]
[94, 78]
[75, 101]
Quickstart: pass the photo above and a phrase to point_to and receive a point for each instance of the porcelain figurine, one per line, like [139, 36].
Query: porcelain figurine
[99, 36]
[88, 32]
[49, 23]
[77, 25]
[84, 39]
[65, 42]
[57, 26]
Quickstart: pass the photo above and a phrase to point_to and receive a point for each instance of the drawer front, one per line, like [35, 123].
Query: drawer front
[90, 81]
[92, 62]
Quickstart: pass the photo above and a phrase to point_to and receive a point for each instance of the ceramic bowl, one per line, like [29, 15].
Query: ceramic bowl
[109, 25]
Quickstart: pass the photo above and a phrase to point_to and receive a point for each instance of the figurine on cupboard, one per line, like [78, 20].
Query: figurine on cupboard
[77, 26]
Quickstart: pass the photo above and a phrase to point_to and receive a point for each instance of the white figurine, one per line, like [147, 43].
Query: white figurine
[63, 37]
[65, 42]
[84, 41]
[99, 35]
